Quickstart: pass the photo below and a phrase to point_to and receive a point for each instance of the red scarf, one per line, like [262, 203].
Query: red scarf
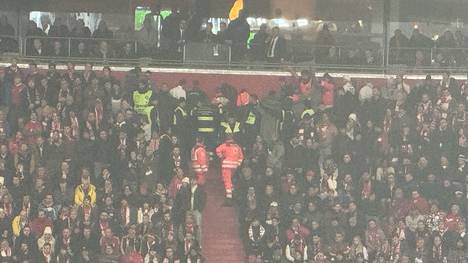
[99, 111]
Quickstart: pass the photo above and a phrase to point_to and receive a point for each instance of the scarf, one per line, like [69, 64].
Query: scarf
[258, 233]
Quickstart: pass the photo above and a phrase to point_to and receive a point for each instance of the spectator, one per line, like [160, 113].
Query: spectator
[258, 44]
[221, 36]
[102, 31]
[178, 40]
[57, 49]
[368, 177]
[207, 35]
[5, 28]
[80, 30]
[37, 49]
[325, 41]
[127, 51]
[238, 33]
[275, 46]
[46, 24]
[58, 29]
[104, 50]
[81, 50]
[398, 48]
[421, 46]
[33, 30]
[148, 37]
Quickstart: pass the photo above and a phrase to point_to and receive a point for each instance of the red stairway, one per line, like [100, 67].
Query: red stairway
[221, 242]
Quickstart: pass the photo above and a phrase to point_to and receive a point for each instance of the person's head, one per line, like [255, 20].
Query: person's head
[222, 26]
[45, 20]
[339, 237]
[102, 25]
[87, 232]
[275, 31]
[372, 224]
[103, 46]
[46, 249]
[455, 209]
[209, 27]
[169, 252]
[183, 25]
[37, 43]
[57, 45]
[66, 233]
[109, 250]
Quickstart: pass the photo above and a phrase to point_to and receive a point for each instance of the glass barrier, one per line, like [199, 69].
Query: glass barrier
[9, 44]
[437, 57]
[368, 55]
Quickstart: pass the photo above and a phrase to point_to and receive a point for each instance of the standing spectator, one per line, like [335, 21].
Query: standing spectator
[238, 33]
[275, 46]
[325, 42]
[148, 37]
[102, 31]
[398, 48]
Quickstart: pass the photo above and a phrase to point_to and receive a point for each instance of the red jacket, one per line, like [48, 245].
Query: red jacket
[231, 154]
[328, 93]
[199, 159]
[451, 221]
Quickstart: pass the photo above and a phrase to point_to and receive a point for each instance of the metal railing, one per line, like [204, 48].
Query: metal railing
[363, 57]
[109, 50]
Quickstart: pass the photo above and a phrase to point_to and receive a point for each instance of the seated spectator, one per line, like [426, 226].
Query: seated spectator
[104, 51]
[127, 51]
[81, 50]
[37, 49]
[57, 49]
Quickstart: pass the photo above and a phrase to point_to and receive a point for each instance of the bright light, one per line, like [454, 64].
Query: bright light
[416, 26]
[280, 22]
[302, 22]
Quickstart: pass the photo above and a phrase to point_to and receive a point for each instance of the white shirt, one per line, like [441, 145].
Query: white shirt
[272, 46]
[365, 93]
[194, 188]
[178, 92]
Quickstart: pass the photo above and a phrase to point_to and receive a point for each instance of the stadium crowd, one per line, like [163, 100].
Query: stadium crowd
[97, 169]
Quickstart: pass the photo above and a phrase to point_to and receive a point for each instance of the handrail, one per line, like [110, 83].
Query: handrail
[301, 49]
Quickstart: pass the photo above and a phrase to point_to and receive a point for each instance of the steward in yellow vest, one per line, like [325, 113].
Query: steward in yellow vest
[142, 100]
[231, 127]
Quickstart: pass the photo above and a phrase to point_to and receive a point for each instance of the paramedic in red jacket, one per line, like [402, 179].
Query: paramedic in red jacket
[200, 161]
[231, 157]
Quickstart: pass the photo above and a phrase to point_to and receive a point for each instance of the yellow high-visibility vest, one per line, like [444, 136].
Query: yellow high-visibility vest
[251, 118]
[228, 129]
[141, 101]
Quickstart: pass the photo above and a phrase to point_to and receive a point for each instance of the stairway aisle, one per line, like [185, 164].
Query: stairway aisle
[221, 242]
